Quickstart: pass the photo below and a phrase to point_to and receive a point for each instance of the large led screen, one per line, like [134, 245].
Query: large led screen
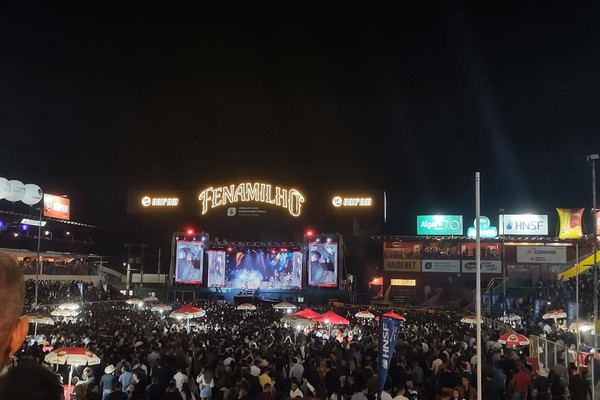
[188, 262]
[323, 264]
[256, 269]
[216, 268]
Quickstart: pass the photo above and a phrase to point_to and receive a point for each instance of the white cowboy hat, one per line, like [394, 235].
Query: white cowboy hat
[543, 372]
[109, 369]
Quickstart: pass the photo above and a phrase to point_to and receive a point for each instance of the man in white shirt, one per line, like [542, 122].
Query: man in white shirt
[297, 370]
[295, 391]
[436, 364]
[180, 378]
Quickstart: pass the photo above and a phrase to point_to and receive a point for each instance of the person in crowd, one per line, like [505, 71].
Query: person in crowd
[126, 376]
[180, 378]
[266, 394]
[32, 382]
[92, 392]
[466, 390]
[520, 383]
[295, 391]
[172, 393]
[13, 328]
[153, 391]
[206, 383]
[137, 388]
[118, 393]
[107, 382]
[400, 395]
[541, 384]
[557, 387]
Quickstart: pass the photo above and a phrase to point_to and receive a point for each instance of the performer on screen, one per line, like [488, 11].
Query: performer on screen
[322, 267]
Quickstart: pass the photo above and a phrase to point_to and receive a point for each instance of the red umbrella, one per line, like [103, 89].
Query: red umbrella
[393, 315]
[513, 339]
[307, 313]
[330, 317]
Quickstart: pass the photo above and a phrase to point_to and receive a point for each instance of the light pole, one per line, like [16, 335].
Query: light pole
[39, 259]
[592, 158]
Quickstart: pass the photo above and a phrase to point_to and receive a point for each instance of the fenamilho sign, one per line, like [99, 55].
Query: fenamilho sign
[289, 199]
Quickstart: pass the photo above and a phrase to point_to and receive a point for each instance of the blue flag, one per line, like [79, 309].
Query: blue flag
[571, 312]
[388, 333]
[537, 309]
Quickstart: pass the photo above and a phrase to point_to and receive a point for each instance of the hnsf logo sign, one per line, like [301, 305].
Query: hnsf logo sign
[523, 224]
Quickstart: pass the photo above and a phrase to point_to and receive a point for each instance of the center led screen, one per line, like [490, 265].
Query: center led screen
[255, 269]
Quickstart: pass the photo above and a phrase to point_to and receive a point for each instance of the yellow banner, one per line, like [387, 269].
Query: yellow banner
[570, 223]
[401, 264]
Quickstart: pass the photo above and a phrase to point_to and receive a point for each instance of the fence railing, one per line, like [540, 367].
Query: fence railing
[548, 353]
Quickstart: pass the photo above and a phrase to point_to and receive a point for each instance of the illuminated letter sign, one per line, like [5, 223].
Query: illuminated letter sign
[290, 199]
[339, 201]
[148, 201]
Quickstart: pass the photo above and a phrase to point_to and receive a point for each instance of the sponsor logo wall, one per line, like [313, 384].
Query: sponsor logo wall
[439, 225]
[487, 267]
[57, 207]
[451, 266]
[542, 254]
[402, 264]
[523, 224]
[570, 223]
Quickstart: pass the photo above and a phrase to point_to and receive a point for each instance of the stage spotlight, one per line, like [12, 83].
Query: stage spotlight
[203, 238]
[230, 249]
[189, 232]
[310, 233]
[328, 240]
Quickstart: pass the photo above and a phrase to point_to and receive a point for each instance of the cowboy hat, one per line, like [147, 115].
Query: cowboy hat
[264, 363]
[543, 372]
[109, 369]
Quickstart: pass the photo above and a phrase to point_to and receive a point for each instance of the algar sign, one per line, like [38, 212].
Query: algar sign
[290, 199]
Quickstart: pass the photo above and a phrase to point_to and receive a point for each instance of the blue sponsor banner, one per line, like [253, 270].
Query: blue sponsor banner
[388, 332]
[80, 287]
[571, 312]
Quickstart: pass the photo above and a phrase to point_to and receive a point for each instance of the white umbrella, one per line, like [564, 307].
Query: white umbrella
[65, 313]
[39, 318]
[364, 314]
[72, 356]
[469, 320]
[284, 306]
[134, 302]
[69, 306]
[510, 318]
[555, 314]
[246, 307]
[161, 307]
[150, 299]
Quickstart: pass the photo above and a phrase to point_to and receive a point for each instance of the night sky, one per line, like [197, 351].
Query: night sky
[94, 102]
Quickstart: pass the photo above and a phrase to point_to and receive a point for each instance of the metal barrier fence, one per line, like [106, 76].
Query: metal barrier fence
[548, 353]
[494, 324]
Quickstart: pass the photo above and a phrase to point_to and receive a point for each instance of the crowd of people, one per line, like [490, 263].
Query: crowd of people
[53, 292]
[58, 267]
[232, 354]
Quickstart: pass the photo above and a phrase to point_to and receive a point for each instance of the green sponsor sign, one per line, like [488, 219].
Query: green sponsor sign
[439, 225]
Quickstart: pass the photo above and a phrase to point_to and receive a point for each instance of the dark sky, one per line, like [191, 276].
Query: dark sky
[411, 100]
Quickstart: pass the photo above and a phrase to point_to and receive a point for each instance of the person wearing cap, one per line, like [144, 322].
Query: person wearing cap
[265, 376]
[107, 381]
[13, 327]
[541, 384]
